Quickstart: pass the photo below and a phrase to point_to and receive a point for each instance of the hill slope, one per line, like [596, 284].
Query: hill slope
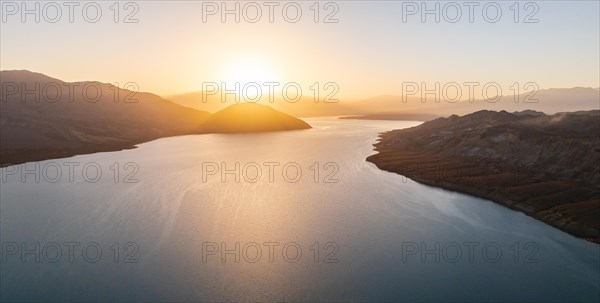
[547, 166]
[553, 100]
[42, 117]
[250, 117]
[304, 107]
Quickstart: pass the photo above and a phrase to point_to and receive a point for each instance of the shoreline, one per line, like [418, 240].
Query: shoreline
[40, 155]
[19, 157]
[503, 187]
[392, 117]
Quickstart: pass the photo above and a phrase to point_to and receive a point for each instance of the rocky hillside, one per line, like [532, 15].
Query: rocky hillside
[547, 166]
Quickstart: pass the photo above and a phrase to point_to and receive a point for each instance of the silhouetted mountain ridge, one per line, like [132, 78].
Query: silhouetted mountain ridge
[250, 117]
[552, 100]
[42, 118]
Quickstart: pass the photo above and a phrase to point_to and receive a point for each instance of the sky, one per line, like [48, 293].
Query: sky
[372, 49]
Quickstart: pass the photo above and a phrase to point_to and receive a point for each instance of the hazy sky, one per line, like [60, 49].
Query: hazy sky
[370, 51]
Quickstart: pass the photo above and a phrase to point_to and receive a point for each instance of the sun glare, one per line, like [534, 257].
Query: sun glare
[247, 71]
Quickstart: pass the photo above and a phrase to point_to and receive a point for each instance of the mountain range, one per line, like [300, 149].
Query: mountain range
[549, 101]
[42, 118]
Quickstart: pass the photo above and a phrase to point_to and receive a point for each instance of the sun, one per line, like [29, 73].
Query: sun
[249, 73]
[249, 70]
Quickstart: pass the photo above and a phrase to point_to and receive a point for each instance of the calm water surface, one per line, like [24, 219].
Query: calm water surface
[345, 231]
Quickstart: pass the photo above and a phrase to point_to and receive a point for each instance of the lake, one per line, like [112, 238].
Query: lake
[294, 216]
